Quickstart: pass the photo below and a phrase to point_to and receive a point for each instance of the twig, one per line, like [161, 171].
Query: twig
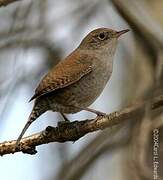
[77, 129]
[141, 160]
[136, 14]
[7, 2]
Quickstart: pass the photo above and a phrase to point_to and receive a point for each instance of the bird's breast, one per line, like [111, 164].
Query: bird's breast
[85, 91]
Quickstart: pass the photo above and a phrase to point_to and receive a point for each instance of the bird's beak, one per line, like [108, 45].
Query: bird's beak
[119, 33]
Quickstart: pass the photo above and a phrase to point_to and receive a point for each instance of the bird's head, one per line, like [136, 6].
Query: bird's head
[101, 38]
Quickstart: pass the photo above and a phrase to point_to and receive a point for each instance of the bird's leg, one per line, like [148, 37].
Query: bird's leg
[98, 113]
[64, 117]
[61, 123]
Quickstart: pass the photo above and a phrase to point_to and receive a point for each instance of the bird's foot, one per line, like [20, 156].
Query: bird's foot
[99, 113]
[62, 123]
[17, 146]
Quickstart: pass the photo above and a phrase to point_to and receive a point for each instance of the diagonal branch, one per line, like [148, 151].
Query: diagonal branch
[77, 129]
[136, 14]
[7, 2]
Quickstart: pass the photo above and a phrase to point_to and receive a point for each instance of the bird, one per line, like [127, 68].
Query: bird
[78, 80]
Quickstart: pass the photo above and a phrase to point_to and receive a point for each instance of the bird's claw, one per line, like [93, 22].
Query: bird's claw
[62, 123]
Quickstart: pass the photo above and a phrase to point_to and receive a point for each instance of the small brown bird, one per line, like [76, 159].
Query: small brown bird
[77, 81]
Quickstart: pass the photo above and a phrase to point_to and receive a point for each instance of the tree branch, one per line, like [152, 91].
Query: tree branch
[136, 14]
[7, 2]
[77, 129]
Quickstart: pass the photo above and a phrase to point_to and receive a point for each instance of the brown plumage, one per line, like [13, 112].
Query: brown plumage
[64, 74]
[77, 81]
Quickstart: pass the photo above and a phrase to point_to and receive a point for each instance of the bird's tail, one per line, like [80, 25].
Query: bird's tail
[36, 112]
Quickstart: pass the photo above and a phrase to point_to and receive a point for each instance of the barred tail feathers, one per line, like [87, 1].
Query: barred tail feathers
[36, 112]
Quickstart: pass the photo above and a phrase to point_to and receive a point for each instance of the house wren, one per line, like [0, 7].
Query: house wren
[77, 81]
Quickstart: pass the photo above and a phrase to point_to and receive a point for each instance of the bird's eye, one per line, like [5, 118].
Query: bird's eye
[102, 36]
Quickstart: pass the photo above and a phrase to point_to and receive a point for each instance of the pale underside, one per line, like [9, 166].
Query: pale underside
[72, 83]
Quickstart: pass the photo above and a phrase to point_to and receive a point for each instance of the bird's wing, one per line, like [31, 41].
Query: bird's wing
[67, 72]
